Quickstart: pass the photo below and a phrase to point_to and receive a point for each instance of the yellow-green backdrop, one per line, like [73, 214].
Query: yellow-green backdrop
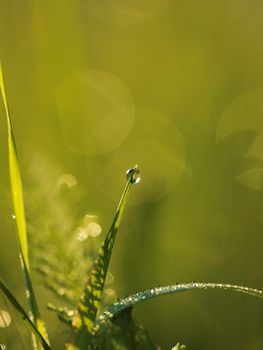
[175, 86]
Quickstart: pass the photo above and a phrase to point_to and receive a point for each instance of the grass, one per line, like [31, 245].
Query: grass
[115, 328]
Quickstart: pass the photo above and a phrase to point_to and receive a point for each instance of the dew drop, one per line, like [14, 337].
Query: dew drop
[13, 216]
[133, 175]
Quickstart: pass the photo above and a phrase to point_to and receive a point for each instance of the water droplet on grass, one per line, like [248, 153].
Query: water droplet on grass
[133, 175]
[160, 144]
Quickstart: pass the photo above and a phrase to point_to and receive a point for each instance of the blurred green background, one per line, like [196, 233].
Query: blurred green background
[175, 86]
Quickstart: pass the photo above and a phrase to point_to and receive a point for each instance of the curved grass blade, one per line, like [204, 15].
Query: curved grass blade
[16, 184]
[24, 316]
[85, 316]
[132, 300]
[18, 202]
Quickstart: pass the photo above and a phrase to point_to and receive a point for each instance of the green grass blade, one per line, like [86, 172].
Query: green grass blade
[85, 316]
[136, 298]
[18, 202]
[16, 184]
[24, 316]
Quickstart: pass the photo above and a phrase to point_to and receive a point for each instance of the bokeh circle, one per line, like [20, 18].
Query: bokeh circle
[157, 146]
[95, 110]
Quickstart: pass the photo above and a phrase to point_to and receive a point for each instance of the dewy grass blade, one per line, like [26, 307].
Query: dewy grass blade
[85, 316]
[136, 298]
[24, 316]
[18, 202]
